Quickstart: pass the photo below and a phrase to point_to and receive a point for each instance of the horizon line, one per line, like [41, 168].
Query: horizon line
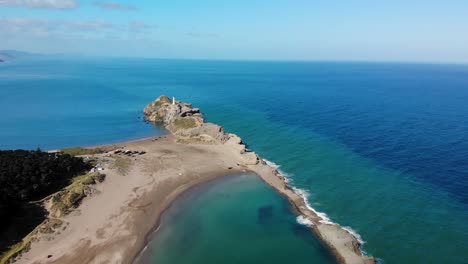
[64, 54]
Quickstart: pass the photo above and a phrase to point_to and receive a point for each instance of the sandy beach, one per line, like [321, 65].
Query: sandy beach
[111, 226]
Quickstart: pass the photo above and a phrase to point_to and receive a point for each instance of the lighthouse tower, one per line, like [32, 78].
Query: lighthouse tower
[173, 100]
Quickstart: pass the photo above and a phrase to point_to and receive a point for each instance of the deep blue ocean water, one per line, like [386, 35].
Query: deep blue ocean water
[380, 147]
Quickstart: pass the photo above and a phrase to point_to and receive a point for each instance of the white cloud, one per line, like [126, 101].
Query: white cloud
[139, 25]
[22, 25]
[43, 27]
[115, 6]
[96, 24]
[47, 4]
[197, 34]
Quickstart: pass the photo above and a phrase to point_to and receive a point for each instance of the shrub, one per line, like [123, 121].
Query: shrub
[185, 122]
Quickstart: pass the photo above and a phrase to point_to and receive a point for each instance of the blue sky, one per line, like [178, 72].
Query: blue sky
[397, 30]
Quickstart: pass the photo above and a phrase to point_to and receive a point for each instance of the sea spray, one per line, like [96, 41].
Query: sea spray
[304, 221]
[355, 234]
[304, 194]
[277, 167]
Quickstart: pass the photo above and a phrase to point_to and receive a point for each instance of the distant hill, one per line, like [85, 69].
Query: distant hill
[6, 55]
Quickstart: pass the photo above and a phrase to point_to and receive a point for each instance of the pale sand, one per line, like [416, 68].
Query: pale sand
[111, 226]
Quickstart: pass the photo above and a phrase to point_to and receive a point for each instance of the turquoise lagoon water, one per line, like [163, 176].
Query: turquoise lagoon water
[380, 148]
[197, 228]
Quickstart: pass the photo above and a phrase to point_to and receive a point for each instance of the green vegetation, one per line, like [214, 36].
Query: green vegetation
[121, 164]
[159, 118]
[185, 122]
[162, 100]
[27, 176]
[47, 227]
[78, 151]
[64, 201]
[18, 248]
[197, 140]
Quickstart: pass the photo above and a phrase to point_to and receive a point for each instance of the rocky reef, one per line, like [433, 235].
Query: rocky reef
[189, 127]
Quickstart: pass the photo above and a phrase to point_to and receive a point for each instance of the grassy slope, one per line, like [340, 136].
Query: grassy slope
[87, 151]
[63, 202]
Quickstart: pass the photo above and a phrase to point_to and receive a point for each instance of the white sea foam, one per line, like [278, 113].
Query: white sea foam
[271, 164]
[301, 192]
[304, 221]
[354, 233]
[275, 166]
[304, 194]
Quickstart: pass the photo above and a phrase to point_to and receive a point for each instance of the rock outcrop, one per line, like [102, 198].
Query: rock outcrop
[188, 125]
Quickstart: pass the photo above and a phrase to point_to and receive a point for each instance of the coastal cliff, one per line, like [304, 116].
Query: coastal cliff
[188, 126]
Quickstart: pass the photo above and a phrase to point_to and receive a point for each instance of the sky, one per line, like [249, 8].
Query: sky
[363, 30]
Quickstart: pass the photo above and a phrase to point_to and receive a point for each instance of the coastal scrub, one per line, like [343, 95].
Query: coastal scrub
[61, 203]
[78, 151]
[185, 123]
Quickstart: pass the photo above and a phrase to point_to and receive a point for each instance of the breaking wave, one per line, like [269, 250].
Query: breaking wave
[304, 194]
[304, 221]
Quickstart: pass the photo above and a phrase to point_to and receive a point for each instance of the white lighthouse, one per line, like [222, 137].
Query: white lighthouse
[173, 100]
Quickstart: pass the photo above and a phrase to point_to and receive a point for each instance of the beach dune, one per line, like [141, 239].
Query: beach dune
[111, 226]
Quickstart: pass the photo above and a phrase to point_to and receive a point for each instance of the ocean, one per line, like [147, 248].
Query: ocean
[381, 148]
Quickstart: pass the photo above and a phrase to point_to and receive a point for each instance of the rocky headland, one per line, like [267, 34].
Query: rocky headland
[189, 127]
[187, 124]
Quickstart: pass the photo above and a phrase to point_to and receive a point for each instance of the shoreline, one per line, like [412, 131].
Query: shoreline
[141, 212]
[343, 244]
[157, 224]
[296, 208]
[115, 224]
[168, 203]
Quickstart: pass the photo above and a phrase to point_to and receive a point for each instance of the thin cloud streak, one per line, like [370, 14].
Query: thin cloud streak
[111, 6]
[140, 25]
[44, 27]
[41, 4]
[197, 34]
[37, 29]
[29, 25]
[88, 24]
